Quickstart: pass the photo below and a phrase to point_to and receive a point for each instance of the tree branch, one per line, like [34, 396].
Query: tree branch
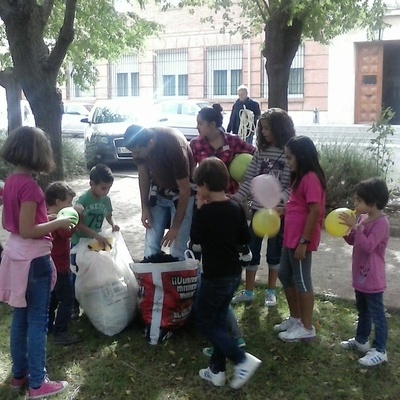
[261, 8]
[65, 37]
[47, 7]
[266, 5]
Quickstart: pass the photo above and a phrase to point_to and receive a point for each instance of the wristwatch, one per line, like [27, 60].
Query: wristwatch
[304, 241]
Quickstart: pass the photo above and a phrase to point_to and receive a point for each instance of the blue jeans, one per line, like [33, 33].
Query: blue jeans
[212, 303]
[29, 325]
[371, 310]
[161, 214]
[232, 323]
[62, 300]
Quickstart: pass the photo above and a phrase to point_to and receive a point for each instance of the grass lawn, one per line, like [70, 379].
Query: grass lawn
[125, 366]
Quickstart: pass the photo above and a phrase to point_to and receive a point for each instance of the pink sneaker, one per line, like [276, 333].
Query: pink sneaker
[19, 383]
[47, 389]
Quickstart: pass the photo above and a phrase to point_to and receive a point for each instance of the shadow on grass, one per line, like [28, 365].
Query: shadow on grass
[125, 366]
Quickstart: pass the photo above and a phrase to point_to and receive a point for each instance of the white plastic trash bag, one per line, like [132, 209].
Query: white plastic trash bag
[105, 286]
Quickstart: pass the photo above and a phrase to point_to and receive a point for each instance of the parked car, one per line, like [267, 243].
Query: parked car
[106, 125]
[180, 114]
[71, 123]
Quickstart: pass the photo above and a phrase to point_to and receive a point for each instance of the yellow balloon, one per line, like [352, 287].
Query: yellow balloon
[334, 225]
[266, 222]
[239, 165]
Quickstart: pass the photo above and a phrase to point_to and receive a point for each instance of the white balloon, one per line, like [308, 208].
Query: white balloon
[266, 190]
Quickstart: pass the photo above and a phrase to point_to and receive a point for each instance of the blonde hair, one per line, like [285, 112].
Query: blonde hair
[30, 148]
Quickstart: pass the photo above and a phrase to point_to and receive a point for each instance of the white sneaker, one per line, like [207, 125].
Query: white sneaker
[352, 344]
[285, 324]
[270, 299]
[373, 357]
[215, 379]
[297, 332]
[244, 371]
[242, 297]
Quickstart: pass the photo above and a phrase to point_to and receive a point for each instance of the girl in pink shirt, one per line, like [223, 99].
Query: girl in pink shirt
[369, 237]
[304, 215]
[26, 270]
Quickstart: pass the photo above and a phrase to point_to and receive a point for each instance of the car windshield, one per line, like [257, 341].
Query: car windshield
[116, 113]
[202, 105]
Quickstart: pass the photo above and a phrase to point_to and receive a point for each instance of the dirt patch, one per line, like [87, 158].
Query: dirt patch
[125, 199]
[331, 263]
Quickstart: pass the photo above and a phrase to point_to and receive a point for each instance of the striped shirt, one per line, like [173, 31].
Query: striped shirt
[269, 161]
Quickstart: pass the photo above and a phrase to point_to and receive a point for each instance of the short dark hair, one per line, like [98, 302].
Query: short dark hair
[29, 146]
[58, 190]
[137, 136]
[212, 114]
[100, 173]
[212, 172]
[373, 191]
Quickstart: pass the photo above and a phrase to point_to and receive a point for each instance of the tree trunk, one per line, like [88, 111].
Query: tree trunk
[24, 28]
[13, 96]
[281, 43]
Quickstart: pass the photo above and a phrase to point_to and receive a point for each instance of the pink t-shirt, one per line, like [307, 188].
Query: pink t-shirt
[310, 191]
[20, 188]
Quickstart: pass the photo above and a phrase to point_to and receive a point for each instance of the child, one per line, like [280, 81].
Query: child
[27, 273]
[219, 226]
[274, 129]
[94, 205]
[369, 237]
[301, 235]
[59, 195]
[213, 141]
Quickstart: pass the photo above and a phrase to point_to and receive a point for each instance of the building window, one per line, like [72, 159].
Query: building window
[122, 84]
[236, 80]
[125, 77]
[134, 84]
[168, 85]
[223, 71]
[296, 75]
[183, 85]
[171, 73]
[220, 83]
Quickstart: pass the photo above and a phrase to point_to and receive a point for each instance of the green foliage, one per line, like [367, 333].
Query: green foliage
[344, 164]
[101, 32]
[381, 153]
[73, 159]
[322, 20]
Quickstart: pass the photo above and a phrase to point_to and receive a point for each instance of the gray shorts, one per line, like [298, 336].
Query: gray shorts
[297, 273]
